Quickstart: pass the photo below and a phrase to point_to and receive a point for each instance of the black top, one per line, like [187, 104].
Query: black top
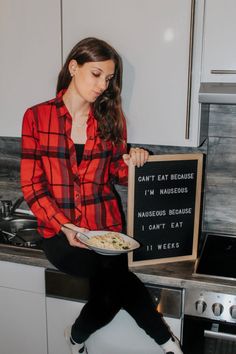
[79, 152]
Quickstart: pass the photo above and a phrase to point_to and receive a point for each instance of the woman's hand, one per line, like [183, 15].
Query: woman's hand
[137, 156]
[70, 230]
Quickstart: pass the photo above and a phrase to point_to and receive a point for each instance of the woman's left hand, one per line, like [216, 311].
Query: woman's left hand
[137, 156]
[70, 230]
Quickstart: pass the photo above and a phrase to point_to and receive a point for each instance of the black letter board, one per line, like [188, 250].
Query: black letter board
[164, 208]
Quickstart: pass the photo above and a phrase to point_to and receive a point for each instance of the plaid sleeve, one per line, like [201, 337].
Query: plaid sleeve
[33, 180]
[118, 168]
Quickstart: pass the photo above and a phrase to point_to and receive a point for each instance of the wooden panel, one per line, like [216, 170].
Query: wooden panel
[222, 121]
[220, 204]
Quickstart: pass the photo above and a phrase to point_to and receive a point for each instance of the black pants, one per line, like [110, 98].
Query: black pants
[112, 286]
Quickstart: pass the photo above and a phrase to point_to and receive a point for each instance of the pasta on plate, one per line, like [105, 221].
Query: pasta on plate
[110, 240]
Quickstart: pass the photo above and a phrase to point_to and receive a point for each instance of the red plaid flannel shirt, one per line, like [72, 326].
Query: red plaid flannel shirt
[55, 188]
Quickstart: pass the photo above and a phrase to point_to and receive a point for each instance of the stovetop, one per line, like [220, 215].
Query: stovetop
[15, 242]
[20, 232]
[218, 257]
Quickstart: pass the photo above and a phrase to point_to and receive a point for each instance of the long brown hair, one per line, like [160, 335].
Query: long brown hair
[107, 107]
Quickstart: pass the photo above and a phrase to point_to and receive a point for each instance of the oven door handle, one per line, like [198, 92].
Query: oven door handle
[219, 335]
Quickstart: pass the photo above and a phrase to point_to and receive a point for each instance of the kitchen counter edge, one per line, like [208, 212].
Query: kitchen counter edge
[177, 274]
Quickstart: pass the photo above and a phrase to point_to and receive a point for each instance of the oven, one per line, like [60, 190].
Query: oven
[210, 316]
[65, 297]
[209, 322]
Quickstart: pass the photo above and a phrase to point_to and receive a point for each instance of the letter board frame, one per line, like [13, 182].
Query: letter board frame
[164, 205]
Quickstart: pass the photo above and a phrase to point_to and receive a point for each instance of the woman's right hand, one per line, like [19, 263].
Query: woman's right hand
[70, 230]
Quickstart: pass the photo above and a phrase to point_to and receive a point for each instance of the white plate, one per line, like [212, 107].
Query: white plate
[104, 251]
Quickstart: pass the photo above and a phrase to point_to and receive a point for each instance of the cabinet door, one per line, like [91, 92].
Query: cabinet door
[120, 336]
[30, 57]
[219, 50]
[153, 39]
[22, 322]
[22, 309]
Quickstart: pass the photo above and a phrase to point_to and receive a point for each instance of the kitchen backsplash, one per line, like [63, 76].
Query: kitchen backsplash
[219, 193]
[9, 168]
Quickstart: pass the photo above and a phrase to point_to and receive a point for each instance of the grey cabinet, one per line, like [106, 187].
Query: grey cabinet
[219, 49]
[160, 42]
[30, 43]
[161, 62]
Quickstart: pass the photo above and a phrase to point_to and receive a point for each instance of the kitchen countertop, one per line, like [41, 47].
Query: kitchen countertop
[177, 274]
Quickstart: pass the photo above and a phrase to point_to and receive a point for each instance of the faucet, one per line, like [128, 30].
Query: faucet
[8, 208]
[16, 205]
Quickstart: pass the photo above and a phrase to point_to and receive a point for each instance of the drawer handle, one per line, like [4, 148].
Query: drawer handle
[223, 72]
[219, 335]
[190, 66]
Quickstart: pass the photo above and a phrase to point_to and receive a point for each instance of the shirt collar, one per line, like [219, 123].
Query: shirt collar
[60, 105]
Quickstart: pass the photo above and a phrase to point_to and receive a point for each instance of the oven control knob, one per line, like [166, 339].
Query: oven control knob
[233, 311]
[217, 309]
[200, 306]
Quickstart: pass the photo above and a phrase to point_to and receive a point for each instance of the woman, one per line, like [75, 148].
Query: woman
[73, 151]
